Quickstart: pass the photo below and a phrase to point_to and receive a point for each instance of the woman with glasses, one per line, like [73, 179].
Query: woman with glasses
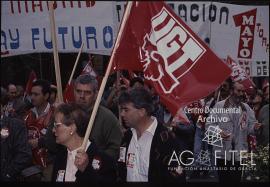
[72, 163]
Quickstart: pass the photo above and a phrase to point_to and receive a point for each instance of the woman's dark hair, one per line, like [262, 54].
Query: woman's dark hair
[74, 113]
[140, 97]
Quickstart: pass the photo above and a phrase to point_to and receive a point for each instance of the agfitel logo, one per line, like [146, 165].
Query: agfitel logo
[212, 137]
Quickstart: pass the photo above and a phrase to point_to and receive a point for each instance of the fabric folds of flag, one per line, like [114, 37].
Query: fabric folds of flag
[174, 60]
[29, 84]
[69, 93]
[239, 75]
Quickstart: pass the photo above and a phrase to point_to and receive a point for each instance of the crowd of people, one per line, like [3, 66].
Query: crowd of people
[134, 137]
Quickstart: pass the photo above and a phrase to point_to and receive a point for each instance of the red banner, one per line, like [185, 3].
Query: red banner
[172, 57]
[247, 22]
[240, 75]
[29, 84]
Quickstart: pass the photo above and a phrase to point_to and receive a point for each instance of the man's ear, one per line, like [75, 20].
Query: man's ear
[142, 112]
[47, 96]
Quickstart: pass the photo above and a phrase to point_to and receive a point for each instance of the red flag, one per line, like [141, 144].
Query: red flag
[29, 84]
[240, 75]
[173, 59]
[88, 69]
[69, 93]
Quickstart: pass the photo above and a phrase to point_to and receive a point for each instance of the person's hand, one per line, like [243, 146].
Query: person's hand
[225, 135]
[81, 160]
[33, 143]
[257, 126]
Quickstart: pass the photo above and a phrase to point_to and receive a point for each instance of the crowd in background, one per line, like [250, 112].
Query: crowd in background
[133, 136]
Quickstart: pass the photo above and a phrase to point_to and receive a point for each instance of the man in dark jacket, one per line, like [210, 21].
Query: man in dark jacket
[16, 153]
[147, 148]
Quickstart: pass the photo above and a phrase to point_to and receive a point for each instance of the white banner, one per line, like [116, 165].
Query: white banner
[240, 31]
[25, 27]
[245, 38]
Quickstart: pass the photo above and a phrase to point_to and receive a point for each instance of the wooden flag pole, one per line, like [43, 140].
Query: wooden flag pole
[117, 91]
[104, 80]
[75, 65]
[218, 95]
[55, 53]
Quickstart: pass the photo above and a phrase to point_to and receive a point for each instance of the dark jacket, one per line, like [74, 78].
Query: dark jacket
[185, 135]
[263, 133]
[106, 173]
[16, 153]
[162, 147]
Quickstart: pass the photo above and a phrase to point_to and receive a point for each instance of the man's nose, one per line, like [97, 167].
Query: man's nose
[82, 95]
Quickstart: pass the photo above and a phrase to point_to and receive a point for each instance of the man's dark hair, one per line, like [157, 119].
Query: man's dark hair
[53, 89]
[44, 84]
[140, 97]
[136, 79]
[87, 79]
[74, 113]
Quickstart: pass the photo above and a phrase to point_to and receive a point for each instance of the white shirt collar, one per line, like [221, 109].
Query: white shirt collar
[44, 112]
[74, 152]
[153, 126]
[71, 169]
[151, 129]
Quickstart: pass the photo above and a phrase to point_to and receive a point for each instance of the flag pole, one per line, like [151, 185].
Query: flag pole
[117, 91]
[218, 95]
[75, 65]
[105, 78]
[55, 52]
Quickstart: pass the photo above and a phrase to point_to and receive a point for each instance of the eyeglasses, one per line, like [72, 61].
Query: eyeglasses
[56, 125]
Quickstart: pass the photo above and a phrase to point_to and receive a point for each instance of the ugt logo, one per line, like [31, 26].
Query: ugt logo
[169, 51]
